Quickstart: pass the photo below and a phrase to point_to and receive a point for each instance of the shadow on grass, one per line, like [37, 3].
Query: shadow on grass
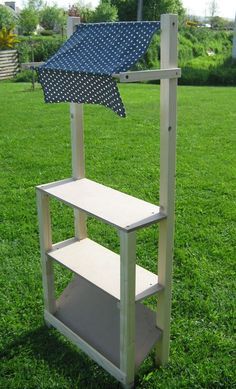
[47, 345]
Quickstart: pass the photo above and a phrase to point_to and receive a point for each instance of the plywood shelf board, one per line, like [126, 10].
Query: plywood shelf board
[101, 267]
[94, 316]
[113, 207]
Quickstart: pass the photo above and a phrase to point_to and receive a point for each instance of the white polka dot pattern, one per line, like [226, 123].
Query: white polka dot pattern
[81, 69]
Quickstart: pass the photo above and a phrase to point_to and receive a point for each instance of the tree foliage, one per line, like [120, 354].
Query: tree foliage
[127, 9]
[105, 12]
[35, 4]
[7, 18]
[152, 9]
[84, 11]
[28, 20]
[51, 17]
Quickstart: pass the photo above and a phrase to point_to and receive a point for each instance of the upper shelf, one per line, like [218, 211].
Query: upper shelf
[113, 207]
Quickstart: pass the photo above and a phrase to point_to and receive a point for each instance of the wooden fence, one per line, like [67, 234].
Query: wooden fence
[9, 64]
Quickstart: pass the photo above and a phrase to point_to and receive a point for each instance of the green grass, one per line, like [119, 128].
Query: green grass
[122, 153]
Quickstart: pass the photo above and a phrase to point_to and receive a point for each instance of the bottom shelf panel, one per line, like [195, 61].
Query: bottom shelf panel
[94, 316]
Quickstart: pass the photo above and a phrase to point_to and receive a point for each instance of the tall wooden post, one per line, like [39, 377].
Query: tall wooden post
[169, 31]
[77, 143]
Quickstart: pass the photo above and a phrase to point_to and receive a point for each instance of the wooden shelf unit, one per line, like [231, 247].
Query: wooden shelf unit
[100, 310]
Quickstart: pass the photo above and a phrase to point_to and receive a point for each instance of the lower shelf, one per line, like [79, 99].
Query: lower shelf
[93, 315]
[101, 267]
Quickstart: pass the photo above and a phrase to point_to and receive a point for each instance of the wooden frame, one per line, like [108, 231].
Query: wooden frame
[46, 245]
[169, 29]
[77, 143]
[127, 305]
[148, 75]
[132, 319]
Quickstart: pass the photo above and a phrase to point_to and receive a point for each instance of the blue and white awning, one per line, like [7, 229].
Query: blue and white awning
[81, 71]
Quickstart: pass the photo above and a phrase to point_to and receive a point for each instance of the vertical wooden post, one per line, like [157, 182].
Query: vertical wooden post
[169, 30]
[140, 10]
[127, 305]
[77, 143]
[45, 245]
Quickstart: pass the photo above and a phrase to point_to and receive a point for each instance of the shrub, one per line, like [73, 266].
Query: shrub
[185, 54]
[8, 40]
[24, 52]
[43, 48]
[25, 76]
[47, 32]
[152, 55]
[191, 76]
[222, 76]
[199, 50]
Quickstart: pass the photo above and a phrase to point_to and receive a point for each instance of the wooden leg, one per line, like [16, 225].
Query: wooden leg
[164, 297]
[80, 219]
[45, 245]
[127, 306]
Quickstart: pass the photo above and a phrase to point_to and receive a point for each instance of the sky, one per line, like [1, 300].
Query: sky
[226, 8]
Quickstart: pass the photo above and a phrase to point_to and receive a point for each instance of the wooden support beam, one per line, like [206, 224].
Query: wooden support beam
[84, 346]
[77, 143]
[45, 245]
[127, 306]
[167, 182]
[148, 75]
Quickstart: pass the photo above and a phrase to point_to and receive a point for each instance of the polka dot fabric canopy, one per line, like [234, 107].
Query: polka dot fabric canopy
[81, 71]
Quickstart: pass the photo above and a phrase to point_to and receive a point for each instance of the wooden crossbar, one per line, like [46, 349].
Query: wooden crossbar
[148, 75]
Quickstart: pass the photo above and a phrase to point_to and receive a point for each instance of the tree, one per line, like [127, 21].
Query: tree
[84, 11]
[35, 4]
[51, 17]
[105, 12]
[127, 9]
[61, 22]
[7, 18]
[152, 9]
[212, 9]
[219, 23]
[28, 20]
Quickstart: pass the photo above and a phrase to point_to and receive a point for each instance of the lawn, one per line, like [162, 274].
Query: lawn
[124, 154]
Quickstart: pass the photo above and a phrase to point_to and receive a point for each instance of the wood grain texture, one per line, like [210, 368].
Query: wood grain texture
[111, 206]
[148, 75]
[168, 104]
[101, 267]
[77, 145]
[45, 245]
